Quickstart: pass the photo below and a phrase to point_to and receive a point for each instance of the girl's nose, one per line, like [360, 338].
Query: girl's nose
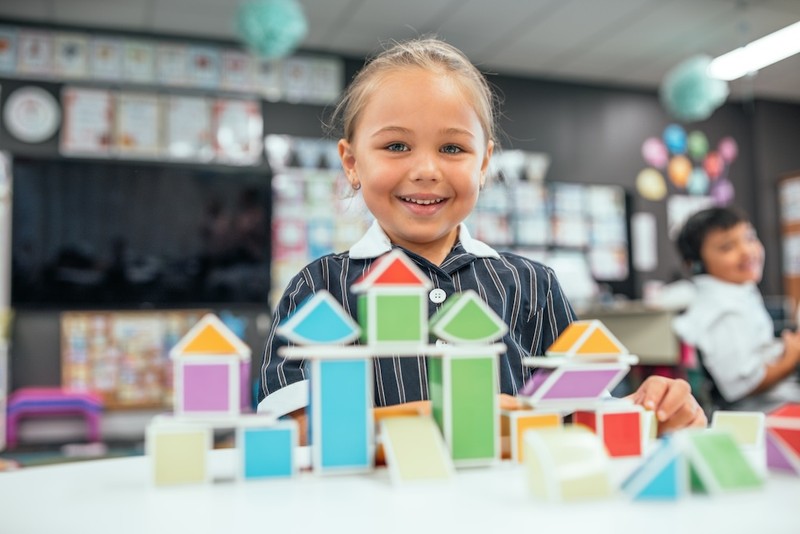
[426, 168]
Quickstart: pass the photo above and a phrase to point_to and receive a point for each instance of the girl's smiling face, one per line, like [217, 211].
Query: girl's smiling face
[733, 255]
[419, 153]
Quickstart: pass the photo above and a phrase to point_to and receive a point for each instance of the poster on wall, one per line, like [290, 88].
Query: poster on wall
[35, 52]
[188, 128]
[238, 131]
[138, 61]
[681, 207]
[105, 58]
[268, 79]
[8, 49]
[171, 64]
[71, 55]
[137, 121]
[203, 66]
[124, 356]
[789, 195]
[87, 121]
[237, 71]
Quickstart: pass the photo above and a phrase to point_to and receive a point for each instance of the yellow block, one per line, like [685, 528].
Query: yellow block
[415, 449]
[179, 456]
[747, 428]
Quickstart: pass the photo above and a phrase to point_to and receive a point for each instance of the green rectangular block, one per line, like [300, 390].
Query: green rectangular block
[463, 394]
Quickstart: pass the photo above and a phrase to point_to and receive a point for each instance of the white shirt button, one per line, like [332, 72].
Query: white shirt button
[437, 296]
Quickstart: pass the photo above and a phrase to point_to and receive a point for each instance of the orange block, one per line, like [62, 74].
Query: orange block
[568, 337]
[210, 341]
[516, 423]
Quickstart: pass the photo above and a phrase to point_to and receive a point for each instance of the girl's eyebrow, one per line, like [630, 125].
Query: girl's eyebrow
[391, 129]
[400, 129]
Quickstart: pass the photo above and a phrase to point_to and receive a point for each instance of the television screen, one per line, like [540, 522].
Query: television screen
[132, 235]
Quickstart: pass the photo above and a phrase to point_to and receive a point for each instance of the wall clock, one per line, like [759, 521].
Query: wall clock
[31, 114]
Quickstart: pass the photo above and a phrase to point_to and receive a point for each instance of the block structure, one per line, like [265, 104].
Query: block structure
[207, 370]
[783, 439]
[392, 303]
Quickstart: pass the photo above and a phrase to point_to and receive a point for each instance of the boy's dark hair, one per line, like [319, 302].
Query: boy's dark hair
[697, 227]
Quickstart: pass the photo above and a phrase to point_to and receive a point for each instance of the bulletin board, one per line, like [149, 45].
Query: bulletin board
[124, 356]
[789, 198]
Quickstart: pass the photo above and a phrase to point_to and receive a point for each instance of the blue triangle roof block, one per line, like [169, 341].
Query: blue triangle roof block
[662, 476]
[320, 320]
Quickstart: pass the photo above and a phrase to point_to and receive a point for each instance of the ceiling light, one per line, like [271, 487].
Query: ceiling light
[757, 54]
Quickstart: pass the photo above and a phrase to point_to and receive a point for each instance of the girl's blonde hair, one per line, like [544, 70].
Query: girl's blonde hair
[426, 53]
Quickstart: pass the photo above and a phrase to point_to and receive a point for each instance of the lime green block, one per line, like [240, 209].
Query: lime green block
[436, 390]
[363, 318]
[725, 460]
[473, 399]
[399, 318]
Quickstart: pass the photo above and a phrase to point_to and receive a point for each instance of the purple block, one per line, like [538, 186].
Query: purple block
[581, 384]
[206, 388]
[536, 380]
[776, 457]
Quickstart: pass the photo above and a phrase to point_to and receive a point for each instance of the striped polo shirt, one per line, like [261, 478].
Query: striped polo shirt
[523, 292]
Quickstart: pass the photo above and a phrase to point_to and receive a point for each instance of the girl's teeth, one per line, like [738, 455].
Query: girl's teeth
[423, 202]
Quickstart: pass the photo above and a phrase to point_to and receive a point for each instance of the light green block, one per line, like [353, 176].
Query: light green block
[472, 401]
[725, 462]
[400, 318]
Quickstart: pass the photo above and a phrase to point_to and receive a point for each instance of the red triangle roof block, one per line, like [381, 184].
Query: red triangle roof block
[392, 269]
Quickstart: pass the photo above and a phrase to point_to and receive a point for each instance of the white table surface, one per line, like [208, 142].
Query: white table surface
[116, 496]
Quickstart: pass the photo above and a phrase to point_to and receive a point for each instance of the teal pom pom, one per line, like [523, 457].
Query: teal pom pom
[271, 28]
[688, 93]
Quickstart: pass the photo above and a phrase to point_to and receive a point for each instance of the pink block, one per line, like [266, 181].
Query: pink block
[26, 403]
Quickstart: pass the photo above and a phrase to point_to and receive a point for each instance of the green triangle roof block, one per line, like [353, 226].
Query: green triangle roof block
[466, 318]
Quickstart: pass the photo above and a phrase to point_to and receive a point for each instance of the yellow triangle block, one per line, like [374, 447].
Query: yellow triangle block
[598, 343]
[568, 337]
[210, 341]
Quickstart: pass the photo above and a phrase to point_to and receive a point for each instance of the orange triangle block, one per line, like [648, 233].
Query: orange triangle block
[210, 341]
[598, 343]
[568, 337]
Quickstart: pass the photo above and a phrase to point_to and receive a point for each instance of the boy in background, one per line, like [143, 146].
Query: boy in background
[727, 320]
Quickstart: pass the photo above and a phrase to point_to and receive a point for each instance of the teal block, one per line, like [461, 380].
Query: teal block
[267, 452]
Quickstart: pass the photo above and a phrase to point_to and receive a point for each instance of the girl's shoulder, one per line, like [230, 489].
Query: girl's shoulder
[519, 261]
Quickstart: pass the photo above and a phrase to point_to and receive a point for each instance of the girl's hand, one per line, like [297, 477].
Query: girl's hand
[672, 401]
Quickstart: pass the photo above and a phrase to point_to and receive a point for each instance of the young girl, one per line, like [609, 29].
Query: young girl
[418, 123]
[727, 320]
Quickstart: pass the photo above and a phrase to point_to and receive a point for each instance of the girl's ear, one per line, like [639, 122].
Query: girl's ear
[348, 160]
[485, 162]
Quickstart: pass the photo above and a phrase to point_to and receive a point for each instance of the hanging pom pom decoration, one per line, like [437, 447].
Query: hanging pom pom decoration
[271, 29]
[689, 94]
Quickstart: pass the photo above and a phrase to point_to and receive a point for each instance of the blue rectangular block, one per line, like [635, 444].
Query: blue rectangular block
[341, 415]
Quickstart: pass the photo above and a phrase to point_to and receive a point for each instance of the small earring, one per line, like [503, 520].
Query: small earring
[356, 186]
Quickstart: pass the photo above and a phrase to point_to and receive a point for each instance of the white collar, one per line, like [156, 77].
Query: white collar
[710, 283]
[375, 242]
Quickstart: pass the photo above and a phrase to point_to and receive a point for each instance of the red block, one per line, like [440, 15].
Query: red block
[621, 431]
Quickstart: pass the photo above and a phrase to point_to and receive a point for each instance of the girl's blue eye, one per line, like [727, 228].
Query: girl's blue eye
[396, 147]
[451, 149]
